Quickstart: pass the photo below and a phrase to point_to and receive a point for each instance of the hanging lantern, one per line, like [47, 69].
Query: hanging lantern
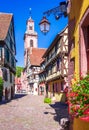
[44, 25]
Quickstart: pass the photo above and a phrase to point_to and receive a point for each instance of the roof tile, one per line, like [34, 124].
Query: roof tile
[36, 56]
[5, 20]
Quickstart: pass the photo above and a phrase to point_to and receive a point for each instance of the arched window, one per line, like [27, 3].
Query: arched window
[31, 43]
[30, 28]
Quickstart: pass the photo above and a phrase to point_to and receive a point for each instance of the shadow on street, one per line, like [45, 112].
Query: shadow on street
[17, 97]
[61, 111]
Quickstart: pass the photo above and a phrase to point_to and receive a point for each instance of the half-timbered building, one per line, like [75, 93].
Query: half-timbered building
[56, 66]
[7, 54]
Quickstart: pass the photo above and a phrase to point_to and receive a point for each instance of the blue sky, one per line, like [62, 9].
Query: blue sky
[20, 10]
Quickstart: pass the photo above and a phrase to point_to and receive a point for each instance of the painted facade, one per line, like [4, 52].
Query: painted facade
[42, 76]
[33, 68]
[7, 55]
[78, 14]
[18, 85]
[56, 66]
[21, 83]
[78, 38]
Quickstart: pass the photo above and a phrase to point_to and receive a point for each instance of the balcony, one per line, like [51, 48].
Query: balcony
[53, 76]
[31, 73]
[33, 80]
[54, 55]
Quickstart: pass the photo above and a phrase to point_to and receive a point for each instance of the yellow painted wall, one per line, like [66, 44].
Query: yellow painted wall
[78, 8]
[58, 96]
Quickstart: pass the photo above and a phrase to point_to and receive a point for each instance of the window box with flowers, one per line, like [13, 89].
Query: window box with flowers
[78, 99]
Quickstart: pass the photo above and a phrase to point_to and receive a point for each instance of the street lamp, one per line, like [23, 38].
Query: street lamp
[44, 25]
[58, 12]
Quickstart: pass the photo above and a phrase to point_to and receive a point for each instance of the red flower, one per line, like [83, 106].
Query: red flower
[86, 118]
[86, 112]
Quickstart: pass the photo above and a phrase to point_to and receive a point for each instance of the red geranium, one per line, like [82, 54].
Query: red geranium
[78, 98]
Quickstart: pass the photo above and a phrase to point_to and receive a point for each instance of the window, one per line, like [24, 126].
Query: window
[56, 47]
[72, 66]
[5, 75]
[49, 70]
[53, 90]
[53, 68]
[12, 62]
[7, 55]
[11, 44]
[10, 77]
[33, 69]
[62, 86]
[58, 64]
[87, 48]
[48, 57]
[34, 76]
[31, 43]
[30, 27]
[0, 52]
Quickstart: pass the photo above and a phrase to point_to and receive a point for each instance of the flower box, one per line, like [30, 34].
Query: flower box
[80, 124]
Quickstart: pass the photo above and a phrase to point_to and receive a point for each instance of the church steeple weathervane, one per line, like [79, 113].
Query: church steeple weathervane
[30, 12]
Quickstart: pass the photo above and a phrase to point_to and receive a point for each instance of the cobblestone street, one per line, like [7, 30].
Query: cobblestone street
[29, 112]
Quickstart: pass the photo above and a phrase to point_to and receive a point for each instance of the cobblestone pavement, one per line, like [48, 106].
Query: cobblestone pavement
[29, 112]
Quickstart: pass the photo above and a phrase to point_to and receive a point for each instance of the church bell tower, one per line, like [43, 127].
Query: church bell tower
[30, 37]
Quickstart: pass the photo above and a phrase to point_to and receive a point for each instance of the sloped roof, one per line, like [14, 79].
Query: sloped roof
[36, 56]
[5, 20]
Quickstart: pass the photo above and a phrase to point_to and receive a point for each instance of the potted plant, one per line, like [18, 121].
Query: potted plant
[1, 88]
[47, 100]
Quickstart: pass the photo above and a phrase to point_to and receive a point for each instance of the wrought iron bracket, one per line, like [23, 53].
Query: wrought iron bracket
[57, 11]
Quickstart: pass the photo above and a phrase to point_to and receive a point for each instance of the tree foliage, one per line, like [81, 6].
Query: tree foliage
[18, 71]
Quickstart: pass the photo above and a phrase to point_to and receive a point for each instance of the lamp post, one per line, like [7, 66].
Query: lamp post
[58, 12]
